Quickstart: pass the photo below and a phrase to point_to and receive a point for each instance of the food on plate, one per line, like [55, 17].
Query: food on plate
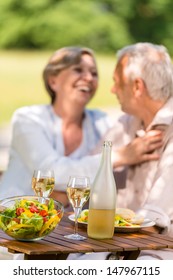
[123, 217]
[83, 216]
[127, 217]
[29, 219]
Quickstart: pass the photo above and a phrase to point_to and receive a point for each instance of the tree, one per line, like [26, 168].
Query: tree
[104, 25]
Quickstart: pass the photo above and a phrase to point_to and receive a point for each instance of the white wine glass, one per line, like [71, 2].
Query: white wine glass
[78, 192]
[43, 182]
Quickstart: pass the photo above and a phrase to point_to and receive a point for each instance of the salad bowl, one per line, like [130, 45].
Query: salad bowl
[29, 218]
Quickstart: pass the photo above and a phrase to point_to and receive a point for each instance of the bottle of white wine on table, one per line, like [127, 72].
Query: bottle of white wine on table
[102, 198]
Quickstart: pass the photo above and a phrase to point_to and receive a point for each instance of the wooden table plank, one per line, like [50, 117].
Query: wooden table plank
[56, 246]
[143, 242]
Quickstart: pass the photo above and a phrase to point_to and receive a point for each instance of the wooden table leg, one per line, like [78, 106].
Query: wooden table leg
[46, 257]
[130, 255]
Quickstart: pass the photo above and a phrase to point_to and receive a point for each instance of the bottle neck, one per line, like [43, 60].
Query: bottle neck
[106, 153]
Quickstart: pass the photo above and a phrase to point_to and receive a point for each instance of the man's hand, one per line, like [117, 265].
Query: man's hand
[141, 149]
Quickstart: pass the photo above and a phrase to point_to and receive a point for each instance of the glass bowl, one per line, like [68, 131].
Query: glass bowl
[29, 218]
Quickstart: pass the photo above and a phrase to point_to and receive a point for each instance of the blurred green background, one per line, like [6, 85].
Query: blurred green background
[21, 81]
[30, 30]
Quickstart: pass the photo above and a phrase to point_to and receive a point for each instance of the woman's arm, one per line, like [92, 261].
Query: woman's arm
[33, 144]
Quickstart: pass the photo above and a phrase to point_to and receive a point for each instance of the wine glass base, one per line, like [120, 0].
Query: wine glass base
[75, 237]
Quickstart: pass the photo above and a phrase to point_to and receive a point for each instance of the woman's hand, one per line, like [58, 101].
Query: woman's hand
[141, 149]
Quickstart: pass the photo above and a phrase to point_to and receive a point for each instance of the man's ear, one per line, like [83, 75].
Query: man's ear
[138, 87]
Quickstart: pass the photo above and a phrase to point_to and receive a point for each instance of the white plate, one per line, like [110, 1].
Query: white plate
[146, 223]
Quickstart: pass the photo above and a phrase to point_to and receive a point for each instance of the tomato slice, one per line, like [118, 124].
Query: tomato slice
[43, 213]
[19, 211]
[33, 209]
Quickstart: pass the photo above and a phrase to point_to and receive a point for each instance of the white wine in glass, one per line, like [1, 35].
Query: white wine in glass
[43, 182]
[78, 192]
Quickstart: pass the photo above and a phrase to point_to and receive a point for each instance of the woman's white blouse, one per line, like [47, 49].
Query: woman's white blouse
[37, 143]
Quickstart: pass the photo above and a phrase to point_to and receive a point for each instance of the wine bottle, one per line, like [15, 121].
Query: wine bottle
[102, 202]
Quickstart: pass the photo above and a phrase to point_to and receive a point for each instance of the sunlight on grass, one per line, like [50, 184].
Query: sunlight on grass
[21, 81]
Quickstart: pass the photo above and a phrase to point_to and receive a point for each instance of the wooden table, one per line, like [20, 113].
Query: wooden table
[56, 246]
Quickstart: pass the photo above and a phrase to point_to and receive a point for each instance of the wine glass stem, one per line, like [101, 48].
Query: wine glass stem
[77, 211]
[41, 199]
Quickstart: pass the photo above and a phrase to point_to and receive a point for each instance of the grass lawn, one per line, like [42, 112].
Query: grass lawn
[21, 81]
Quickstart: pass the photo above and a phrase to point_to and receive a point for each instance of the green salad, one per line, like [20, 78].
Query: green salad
[119, 220]
[29, 219]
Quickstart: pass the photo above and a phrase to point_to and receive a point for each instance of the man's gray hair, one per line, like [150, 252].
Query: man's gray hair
[151, 63]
